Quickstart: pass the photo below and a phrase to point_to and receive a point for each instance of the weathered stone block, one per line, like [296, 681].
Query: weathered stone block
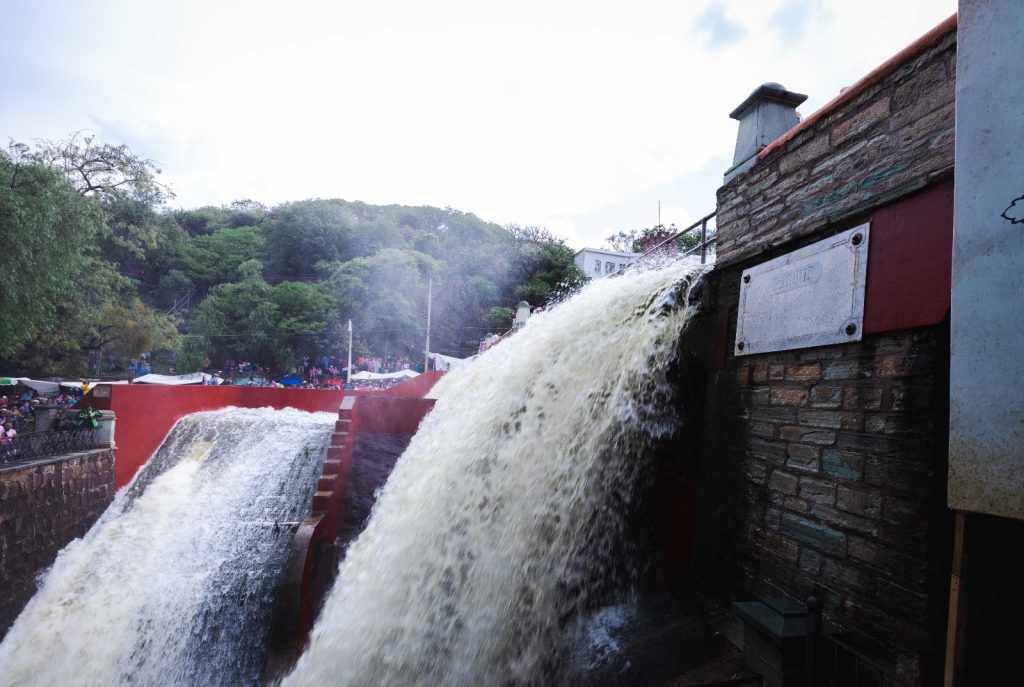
[826, 396]
[844, 520]
[864, 503]
[803, 457]
[796, 504]
[858, 122]
[865, 443]
[807, 435]
[784, 482]
[895, 365]
[842, 369]
[808, 152]
[820, 418]
[813, 533]
[817, 490]
[773, 414]
[810, 561]
[742, 376]
[789, 396]
[803, 372]
[842, 464]
[771, 451]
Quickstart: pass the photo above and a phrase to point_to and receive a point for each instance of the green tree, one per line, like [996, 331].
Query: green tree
[301, 234]
[633, 241]
[49, 230]
[269, 324]
[544, 268]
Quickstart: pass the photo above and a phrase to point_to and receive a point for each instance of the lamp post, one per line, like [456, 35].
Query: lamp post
[426, 351]
[348, 370]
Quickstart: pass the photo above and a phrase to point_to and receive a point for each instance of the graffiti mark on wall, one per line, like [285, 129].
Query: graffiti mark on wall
[1015, 212]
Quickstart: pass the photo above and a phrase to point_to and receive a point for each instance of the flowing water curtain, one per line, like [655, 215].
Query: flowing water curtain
[506, 518]
[174, 584]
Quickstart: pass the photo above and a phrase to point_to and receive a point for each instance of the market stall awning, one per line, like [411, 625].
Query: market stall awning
[193, 378]
[380, 376]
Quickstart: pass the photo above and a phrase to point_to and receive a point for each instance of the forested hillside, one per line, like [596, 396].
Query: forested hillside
[98, 270]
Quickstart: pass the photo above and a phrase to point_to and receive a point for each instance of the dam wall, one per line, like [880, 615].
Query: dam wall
[44, 504]
[145, 413]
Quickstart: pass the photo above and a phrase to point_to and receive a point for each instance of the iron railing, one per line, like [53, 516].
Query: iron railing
[42, 444]
[705, 247]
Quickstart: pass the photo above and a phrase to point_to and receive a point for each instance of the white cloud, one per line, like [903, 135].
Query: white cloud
[533, 114]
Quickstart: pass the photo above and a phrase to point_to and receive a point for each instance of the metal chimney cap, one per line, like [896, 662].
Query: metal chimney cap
[771, 91]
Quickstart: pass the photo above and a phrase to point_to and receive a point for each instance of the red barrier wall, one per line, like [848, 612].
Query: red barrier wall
[146, 412]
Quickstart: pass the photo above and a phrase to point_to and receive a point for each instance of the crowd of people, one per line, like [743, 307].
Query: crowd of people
[18, 417]
[315, 373]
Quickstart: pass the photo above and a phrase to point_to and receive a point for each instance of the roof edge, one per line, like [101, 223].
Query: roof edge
[920, 45]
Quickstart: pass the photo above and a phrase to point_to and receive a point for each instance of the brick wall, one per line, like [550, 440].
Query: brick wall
[825, 468]
[892, 137]
[43, 507]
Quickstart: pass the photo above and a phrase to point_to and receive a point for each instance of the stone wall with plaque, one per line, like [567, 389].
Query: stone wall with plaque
[813, 296]
[824, 458]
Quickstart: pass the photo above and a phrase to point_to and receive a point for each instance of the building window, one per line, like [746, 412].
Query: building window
[622, 266]
[609, 267]
[597, 266]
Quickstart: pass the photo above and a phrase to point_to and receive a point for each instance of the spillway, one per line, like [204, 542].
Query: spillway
[174, 585]
[507, 517]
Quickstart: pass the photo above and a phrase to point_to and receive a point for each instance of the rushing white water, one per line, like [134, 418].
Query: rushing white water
[504, 520]
[174, 584]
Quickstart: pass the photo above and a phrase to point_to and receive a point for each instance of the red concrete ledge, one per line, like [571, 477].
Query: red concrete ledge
[146, 412]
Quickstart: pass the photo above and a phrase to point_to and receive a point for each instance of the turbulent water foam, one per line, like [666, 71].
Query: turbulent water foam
[174, 584]
[504, 518]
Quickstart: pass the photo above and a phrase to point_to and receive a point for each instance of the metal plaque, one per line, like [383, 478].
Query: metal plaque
[810, 297]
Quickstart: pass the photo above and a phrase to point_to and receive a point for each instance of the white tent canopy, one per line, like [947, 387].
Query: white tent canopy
[40, 386]
[378, 376]
[446, 362]
[193, 378]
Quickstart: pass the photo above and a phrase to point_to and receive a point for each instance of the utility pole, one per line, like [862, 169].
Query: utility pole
[430, 298]
[348, 370]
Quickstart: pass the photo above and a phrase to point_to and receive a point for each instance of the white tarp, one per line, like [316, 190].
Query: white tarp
[42, 387]
[446, 362]
[194, 378]
[377, 376]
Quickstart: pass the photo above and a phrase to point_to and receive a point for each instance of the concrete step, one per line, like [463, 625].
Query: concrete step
[327, 482]
[332, 466]
[342, 425]
[335, 452]
[321, 500]
[339, 438]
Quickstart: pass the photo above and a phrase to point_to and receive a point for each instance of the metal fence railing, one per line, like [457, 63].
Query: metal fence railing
[43, 444]
[705, 246]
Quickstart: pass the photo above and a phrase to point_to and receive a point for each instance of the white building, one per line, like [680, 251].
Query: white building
[601, 262]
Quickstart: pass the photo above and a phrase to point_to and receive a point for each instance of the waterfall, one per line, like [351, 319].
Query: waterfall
[505, 520]
[174, 584]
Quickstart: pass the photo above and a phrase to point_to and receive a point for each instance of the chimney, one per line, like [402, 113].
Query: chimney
[766, 114]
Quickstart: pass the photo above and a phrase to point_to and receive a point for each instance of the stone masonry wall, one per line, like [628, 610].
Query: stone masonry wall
[892, 138]
[44, 505]
[824, 470]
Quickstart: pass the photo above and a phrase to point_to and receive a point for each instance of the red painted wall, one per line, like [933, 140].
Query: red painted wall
[910, 261]
[146, 412]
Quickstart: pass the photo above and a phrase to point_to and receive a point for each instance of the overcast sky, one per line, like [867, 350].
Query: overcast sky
[578, 116]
